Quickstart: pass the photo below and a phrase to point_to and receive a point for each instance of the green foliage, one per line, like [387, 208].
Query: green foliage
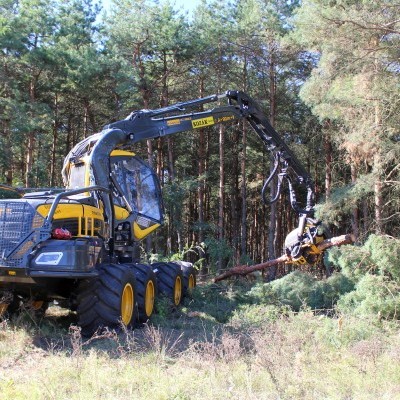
[344, 199]
[218, 302]
[253, 316]
[374, 268]
[385, 253]
[374, 295]
[298, 290]
[164, 308]
[379, 255]
[217, 250]
[353, 261]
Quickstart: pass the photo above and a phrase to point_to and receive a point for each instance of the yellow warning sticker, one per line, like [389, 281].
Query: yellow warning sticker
[225, 119]
[173, 122]
[200, 123]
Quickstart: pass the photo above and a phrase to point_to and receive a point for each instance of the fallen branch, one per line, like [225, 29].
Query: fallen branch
[245, 269]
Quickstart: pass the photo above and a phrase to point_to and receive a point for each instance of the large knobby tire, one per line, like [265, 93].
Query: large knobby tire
[169, 281]
[189, 276]
[108, 300]
[146, 290]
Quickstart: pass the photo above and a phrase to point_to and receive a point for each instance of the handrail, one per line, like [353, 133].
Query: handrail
[57, 199]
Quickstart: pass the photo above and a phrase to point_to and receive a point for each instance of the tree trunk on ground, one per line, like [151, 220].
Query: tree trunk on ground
[245, 269]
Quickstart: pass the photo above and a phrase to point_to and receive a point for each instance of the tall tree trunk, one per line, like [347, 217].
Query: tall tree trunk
[355, 223]
[378, 163]
[234, 223]
[243, 192]
[328, 162]
[31, 137]
[54, 144]
[221, 205]
[85, 120]
[378, 186]
[243, 189]
[201, 169]
[273, 209]
[88, 118]
[8, 152]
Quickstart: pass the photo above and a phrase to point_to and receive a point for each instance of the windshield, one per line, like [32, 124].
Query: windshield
[139, 185]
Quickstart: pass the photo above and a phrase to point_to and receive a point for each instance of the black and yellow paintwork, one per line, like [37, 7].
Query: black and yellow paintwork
[89, 220]
[79, 219]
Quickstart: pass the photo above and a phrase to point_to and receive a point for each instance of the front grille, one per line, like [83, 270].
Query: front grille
[17, 220]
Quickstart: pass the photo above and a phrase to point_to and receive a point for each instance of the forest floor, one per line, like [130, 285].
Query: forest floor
[216, 346]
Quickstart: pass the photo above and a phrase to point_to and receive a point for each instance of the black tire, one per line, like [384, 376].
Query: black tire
[189, 276]
[169, 281]
[108, 300]
[146, 290]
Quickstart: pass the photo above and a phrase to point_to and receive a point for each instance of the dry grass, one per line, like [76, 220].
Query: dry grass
[294, 356]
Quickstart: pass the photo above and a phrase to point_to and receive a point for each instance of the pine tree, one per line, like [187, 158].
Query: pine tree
[355, 86]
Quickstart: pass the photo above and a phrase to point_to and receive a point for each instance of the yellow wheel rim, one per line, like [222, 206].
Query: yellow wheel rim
[149, 298]
[192, 282]
[127, 304]
[178, 290]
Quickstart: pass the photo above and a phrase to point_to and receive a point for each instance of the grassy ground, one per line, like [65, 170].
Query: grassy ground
[217, 346]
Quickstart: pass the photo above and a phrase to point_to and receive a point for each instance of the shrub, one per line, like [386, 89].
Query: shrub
[374, 269]
[374, 295]
[300, 289]
[385, 253]
[379, 255]
[255, 316]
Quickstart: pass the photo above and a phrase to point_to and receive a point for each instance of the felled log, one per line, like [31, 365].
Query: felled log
[242, 270]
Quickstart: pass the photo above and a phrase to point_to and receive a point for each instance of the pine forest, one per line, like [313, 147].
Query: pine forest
[326, 73]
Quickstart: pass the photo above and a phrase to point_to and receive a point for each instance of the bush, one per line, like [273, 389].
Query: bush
[300, 289]
[351, 261]
[255, 316]
[374, 269]
[379, 255]
[385, 254]
[374, 295]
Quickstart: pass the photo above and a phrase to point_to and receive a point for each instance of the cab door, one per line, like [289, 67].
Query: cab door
[137, 195]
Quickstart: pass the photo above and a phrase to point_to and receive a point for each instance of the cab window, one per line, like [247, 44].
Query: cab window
[139, 185]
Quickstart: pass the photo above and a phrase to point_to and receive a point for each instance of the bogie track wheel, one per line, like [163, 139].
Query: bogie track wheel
[108, 300]
[189, 276]
[146, 283]
[169, 281]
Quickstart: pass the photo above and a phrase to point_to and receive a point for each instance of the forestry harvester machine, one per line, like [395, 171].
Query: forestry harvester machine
[80, 246]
